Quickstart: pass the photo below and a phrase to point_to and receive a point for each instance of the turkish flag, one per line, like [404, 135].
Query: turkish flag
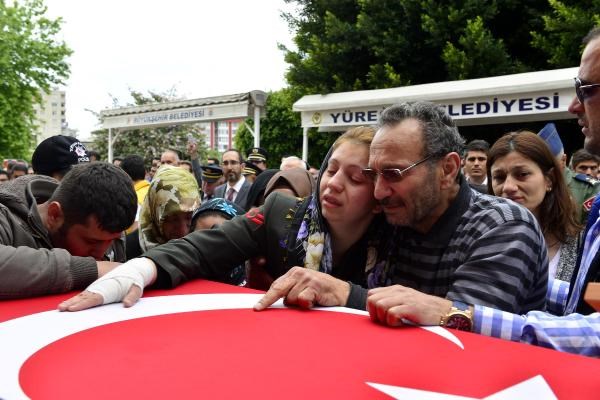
[203, 340]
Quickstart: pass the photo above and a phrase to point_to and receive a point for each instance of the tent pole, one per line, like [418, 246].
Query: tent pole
[256, 126]
[110, 149]
[305, 144]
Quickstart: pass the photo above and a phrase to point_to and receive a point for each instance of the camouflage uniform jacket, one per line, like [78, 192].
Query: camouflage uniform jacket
[584, 190]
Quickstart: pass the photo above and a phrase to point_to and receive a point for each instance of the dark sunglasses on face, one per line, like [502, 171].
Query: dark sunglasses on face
[585, 91]
[391, 175]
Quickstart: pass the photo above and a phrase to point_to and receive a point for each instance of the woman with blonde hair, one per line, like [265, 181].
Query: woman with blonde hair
[335, 231]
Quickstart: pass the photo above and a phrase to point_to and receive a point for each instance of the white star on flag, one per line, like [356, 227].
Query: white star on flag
[533, 388]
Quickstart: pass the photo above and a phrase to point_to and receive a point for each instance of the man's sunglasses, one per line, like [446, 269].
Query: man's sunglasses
[391, 175]
[585, 91]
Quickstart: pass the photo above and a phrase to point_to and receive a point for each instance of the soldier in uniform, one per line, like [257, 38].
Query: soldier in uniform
[211, 175]
[251, 171]
[584, 162]
[583, 188]
[258, 156]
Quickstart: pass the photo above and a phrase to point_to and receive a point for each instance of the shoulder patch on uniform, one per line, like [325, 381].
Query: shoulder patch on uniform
[255, 216]
[587, 205]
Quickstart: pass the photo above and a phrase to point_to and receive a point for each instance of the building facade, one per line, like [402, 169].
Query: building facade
[51, 116]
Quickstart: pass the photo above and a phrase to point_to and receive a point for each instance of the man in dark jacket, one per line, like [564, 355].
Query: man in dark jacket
[577, 327]
[53, 235]
[237, 187]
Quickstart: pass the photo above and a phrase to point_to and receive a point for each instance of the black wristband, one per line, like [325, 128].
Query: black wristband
[357, 298]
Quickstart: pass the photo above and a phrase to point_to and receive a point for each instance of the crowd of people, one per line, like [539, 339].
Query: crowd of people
[404, 220]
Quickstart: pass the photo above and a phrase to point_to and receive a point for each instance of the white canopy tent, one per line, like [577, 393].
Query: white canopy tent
[531, 96]
[207, 109]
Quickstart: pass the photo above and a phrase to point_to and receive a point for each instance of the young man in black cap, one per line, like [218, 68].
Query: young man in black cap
[258, 156]
[54, 235]
[56, 155]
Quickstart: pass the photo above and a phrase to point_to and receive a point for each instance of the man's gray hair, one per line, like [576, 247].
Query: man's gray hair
[591, 35]
[440, 135]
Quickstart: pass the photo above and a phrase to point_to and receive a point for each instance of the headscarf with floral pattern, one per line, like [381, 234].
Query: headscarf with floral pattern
[313, 236]
[172, 190]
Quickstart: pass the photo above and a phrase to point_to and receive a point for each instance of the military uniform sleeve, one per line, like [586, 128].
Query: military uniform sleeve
[213, 253]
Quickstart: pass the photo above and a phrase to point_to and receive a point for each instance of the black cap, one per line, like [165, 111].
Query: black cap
[250, 169]
[257, 154]
[211, 173]
[58, 153]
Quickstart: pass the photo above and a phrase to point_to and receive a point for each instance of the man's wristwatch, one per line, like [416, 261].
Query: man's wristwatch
[459, 317]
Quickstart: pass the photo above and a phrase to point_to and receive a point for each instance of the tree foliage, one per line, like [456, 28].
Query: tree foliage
[345, 45]
[32, 60]
[150, 142]
[564, 27]
[281, 132]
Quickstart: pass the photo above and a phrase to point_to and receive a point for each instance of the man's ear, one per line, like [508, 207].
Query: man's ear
[55, 217]
[563, 161]
[451, 164]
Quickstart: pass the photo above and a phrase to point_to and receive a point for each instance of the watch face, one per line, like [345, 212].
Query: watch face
[459, 321]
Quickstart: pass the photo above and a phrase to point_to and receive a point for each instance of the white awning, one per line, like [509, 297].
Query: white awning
[207, 109]
[182, 112]
[531, 96]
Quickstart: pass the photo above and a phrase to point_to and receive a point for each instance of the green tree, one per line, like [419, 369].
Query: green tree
[281, 132]
[150, 142]
[347, 45]
[564, 26]
[477, 45]
[32, 60]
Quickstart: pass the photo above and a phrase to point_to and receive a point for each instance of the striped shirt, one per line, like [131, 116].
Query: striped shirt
[572, 332]
[484, 250]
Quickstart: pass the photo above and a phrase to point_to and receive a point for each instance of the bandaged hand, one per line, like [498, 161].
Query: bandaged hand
[114, 286]
[124, 283]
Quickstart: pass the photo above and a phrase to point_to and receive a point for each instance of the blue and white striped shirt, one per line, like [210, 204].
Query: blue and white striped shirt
[565, 331]
[573, 333]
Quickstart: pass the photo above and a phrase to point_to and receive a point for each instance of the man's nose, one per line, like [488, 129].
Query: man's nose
[381, 190]
[576, 107]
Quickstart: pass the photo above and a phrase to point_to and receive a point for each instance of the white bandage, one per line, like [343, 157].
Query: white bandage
[115, 285]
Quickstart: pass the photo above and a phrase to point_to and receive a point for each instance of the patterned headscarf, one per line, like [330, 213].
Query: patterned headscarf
[313, 237]
[171, 191]
[314, 240]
